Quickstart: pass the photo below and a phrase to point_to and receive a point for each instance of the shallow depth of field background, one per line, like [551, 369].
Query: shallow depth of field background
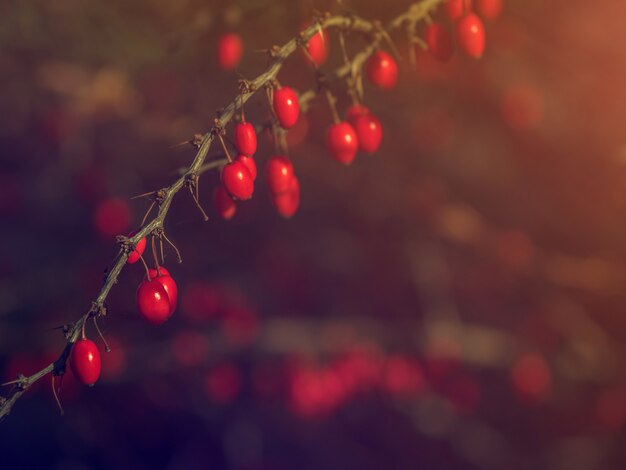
[455, 301]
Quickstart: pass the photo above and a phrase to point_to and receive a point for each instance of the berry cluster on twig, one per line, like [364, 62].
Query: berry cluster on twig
[360, 130]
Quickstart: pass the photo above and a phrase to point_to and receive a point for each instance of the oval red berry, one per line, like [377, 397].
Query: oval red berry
[153, 303]
[229, 51]
[439, 42]
[279, 173]
[286, 107]
[238, 181]
[470, 33]
[85, 361]
[342, 142]
[382, 70]
[245, 139]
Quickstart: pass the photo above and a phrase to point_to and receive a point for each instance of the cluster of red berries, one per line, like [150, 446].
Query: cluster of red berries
[469, 29]
[360, 129]
[157, 298]
[157, 295]
[239, 175]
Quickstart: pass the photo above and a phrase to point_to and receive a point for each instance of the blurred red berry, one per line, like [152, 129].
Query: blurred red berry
[531, 377]
[112, 217]
[222, 383]
[457, 8]
[279, 173]
[342, 142]
[229, 51]
[489, 9]
[355, 111]
[439, 42]
[225, 205]
[470, 33]
[287, 203]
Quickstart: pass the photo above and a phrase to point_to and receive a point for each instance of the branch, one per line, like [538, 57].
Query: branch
[371, 29]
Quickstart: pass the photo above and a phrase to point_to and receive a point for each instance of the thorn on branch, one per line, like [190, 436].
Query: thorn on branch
[197, 140]
[274, 51]
[246, 87]
[20, 383]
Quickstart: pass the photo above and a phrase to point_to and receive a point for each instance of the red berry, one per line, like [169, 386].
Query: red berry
[356, 110]
[470, 33]
[85, 361]
[112, 217]
[287, 203]
[249, 163]
[245, 138]
[134, 255]
[317, 48]
[152, 301]
[286, 107]
[439, 42]
[457, 8]
[225, 205]
[369, 131]
[342, 142]
[168, 283]
[489, 9]
[229, 51]
[382, 70]
[238, 181]
[279, 173]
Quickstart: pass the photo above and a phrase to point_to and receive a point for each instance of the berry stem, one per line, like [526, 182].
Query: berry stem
[56, 396]
[156, 258]
[106, 345]
[161, 249]
[180, 259]
[143, 261]
[230, 159]
[243, 113]
[194, 191]
[332, 105]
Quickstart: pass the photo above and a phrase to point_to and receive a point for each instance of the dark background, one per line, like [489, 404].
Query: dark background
[454, 301]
